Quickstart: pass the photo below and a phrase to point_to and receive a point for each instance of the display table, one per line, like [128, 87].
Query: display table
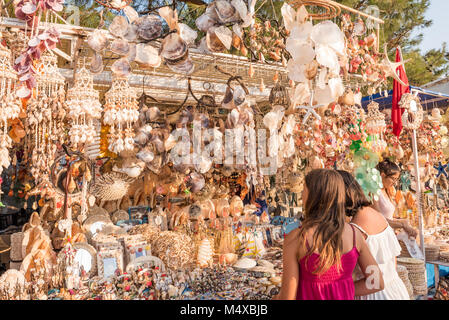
[437, 265]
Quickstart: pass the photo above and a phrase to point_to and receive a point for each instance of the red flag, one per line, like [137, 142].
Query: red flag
[398, 91]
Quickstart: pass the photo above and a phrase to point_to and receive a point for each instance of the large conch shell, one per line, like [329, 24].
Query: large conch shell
[236, 206]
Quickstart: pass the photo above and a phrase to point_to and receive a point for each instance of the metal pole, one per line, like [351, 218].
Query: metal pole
[418, 198]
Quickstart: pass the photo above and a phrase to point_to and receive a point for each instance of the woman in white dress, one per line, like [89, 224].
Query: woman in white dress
[380, 238]
[390, 173]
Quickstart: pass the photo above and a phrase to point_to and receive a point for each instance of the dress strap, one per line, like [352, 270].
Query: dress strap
[360, 228]
[353, 236]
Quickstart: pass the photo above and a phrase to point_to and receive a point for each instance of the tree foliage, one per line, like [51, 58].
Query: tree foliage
[402, 18]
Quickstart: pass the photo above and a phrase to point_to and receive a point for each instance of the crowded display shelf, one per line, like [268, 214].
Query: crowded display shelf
[108, 135]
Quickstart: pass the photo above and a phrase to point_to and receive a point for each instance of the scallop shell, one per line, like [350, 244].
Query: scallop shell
[149, 27]
[97, 40]
[205, 22]
[187, 34]
[184, 67]
[245, 263]
[120, 47]
[131, 33]
[118, 26]
[225, 36]
[214, 44]
[121, 67]
[225, 11]
[147, 55]
[174, 48]
[131, 14]
[96, 64]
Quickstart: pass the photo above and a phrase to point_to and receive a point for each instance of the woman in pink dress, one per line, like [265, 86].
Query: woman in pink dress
[320, 257]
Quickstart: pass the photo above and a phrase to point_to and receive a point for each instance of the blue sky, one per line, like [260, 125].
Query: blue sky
[438, 33]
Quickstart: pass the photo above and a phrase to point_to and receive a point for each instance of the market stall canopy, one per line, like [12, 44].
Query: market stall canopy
[429, 99]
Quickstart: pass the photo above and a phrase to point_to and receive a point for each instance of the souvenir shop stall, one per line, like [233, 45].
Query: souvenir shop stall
[151, 159]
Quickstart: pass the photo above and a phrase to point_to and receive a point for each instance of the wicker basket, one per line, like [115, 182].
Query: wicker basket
[16, 246]
[404, 252]
[403, 274]
[444, 256]
[432, 252]
[416, 273]
[15, 265]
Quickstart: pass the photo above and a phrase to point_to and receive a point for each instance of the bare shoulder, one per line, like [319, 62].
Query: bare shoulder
[370, 220]
[292, 238]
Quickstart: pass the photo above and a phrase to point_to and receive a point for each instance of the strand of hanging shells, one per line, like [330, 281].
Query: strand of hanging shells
[46, 111]
[84, 108]
[9, 104]
[120, 112]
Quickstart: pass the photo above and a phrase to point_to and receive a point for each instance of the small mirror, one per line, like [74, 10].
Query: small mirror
[413, 106]
[84, 259]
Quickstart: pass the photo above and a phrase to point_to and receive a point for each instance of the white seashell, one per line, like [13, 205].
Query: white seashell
[329, 34]
[245, 263]
[302, 52]
[337, 88]
[205, 253]
[324, 96]
[187, 34]
[225, 35]
[302, 32]
[296, 71]
[327, 57]
[289, 16]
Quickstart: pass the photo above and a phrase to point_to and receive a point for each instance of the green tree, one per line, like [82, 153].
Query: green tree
[402, 18]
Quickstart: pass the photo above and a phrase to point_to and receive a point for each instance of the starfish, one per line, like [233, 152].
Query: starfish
[310, 109]
[441, 169]
[390, 67]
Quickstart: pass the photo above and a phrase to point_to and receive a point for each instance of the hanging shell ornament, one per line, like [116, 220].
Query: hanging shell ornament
[413, 114]
[10, 106]
[120, 113]
[84, 109]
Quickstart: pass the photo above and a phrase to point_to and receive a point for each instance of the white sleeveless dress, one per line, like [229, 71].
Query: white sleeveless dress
[386, 207]
[385, 248]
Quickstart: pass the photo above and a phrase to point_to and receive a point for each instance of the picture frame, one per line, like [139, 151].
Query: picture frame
[145, 262]
[137, 250]
[109, 261]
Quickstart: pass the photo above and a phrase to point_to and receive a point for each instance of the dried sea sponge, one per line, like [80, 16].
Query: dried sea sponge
[176, 250]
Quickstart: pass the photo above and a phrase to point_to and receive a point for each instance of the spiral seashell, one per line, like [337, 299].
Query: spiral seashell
[205, 253]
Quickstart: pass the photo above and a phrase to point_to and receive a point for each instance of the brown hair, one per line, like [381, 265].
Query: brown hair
[325, 210]
[388, 167]
[355, 197]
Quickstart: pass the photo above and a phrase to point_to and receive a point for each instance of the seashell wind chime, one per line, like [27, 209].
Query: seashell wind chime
[120, 113]
[84, 108]
[10, 106]
[46, 111]
[375, 127]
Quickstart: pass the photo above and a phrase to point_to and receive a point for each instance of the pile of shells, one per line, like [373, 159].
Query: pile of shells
[175, 249]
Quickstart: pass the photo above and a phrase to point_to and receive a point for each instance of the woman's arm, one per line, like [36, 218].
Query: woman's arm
[373, 280]
[404, 224]
[290, 273]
